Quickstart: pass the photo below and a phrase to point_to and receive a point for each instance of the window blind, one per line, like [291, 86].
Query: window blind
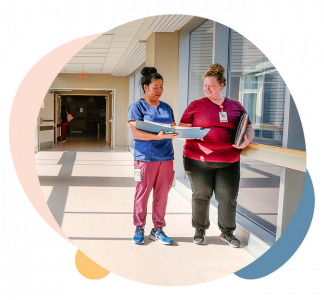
[201, 57]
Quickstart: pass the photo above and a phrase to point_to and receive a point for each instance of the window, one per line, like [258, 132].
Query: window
[201, 57]
[256, 84]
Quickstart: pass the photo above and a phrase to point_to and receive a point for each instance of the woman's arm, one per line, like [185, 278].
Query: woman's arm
[147, 136]
[248, 137]
[250, 133]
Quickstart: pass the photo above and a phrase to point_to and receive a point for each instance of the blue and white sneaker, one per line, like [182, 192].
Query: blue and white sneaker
[160, 236]
[138, 238]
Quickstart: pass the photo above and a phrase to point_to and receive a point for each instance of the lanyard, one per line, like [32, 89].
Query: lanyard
[222, 114]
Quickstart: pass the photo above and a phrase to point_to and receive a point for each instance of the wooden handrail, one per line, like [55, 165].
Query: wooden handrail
[289, 158]
[273, 148]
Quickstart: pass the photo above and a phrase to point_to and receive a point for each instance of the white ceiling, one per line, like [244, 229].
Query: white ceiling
[122, 50]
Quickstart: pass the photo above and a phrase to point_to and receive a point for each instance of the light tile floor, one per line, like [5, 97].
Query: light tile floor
[90, 193]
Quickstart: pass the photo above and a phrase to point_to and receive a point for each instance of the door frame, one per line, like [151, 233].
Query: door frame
[113, 133]
[45, 123]
[113, 90]
[57, 115]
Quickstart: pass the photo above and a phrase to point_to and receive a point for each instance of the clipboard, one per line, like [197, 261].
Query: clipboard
[241, 129]
[184, 132]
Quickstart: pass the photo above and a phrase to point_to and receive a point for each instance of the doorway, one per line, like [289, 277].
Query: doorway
[89, 114]
[92, 112]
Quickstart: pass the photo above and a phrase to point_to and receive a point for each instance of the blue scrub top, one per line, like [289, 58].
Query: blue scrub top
[157, 150]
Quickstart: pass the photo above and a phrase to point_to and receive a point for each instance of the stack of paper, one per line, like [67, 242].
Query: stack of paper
[241, 130]
[184, 132]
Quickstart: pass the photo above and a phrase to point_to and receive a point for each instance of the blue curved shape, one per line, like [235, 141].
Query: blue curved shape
[283, 249]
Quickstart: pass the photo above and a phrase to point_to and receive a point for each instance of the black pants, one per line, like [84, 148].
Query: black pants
[221, 178]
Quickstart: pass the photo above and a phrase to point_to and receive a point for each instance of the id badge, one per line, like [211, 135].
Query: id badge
[138, 175]
[223, 116]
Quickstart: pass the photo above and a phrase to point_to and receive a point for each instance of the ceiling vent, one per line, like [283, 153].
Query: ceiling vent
[133, 61]
[169, 23]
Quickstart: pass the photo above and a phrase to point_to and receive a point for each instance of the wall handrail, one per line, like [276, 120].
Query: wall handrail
[284, 157]
[287, 150]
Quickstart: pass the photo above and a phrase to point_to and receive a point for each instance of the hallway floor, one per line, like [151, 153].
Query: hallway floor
[90, 190]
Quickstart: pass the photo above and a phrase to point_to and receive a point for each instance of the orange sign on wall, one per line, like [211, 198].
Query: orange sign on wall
[83, 75]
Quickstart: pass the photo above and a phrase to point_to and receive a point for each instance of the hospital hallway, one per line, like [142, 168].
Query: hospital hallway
[89, 189]
[88, 181]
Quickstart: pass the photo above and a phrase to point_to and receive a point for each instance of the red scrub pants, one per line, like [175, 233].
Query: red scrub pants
[156, 175]
[63, 130]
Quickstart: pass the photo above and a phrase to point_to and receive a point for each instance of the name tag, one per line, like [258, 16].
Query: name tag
[137, 175]
[223, 116]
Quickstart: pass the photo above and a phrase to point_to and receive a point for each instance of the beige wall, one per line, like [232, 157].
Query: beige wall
[162, 52]
[104, 81]
[47, 113]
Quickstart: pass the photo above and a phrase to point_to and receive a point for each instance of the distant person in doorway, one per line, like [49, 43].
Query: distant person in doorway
[64, 123]
[153, 154]
[213, 163]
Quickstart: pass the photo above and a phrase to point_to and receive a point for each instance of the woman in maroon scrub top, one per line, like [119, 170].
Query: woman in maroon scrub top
[213, 163]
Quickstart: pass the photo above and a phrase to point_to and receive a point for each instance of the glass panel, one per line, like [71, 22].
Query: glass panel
[259, 193]
[251, 82]
[259, 87]
[256, 84]
[249, 102]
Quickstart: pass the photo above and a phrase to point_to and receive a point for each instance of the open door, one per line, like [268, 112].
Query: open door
[57, 117]
[109, 120]
[46, 124]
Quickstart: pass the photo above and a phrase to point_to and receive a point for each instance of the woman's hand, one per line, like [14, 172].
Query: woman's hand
[147, 136]
[161, 135]
[248, 138]
[244, 144]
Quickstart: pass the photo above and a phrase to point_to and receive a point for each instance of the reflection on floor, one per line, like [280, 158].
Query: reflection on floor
[259, 192]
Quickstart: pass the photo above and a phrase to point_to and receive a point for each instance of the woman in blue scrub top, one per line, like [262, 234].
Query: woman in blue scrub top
[153, 154]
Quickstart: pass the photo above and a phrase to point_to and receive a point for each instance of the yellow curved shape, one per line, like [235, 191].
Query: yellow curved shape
[88, 268]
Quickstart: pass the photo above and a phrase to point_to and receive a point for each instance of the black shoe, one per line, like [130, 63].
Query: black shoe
[230, 239]
[199, 237]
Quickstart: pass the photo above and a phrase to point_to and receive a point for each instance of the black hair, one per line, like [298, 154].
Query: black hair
[63, 107]
[149, 73]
